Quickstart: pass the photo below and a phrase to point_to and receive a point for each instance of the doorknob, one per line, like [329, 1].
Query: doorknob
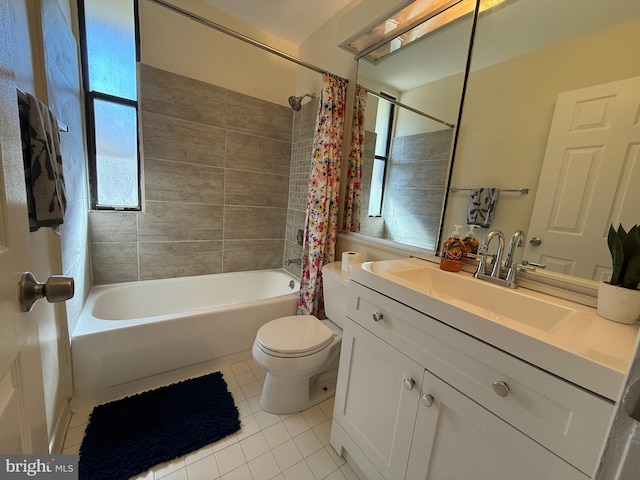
[535, 241]
[56, 289]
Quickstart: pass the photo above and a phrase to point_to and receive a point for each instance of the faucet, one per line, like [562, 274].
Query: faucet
[293, 261]
[497, 258]
[502, 273]
[517, 240]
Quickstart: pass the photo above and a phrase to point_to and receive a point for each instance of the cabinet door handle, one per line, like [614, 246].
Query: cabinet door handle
[427, 399]
[500, 388]
[409, 383]
[377, 316]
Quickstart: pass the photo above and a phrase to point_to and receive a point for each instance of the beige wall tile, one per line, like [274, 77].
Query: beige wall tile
[179, 259]
[114, 262]
[110, 227]
[248, 188]
[258, 154]
[254, 222]
[163, 221]
[265, 119]
[179, 182]
[242, 255]
[171, 138]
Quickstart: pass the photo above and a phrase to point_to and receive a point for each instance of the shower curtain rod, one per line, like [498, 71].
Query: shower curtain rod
[411, 109]
[240, 36]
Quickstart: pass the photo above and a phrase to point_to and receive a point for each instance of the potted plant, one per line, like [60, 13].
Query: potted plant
[619, 299]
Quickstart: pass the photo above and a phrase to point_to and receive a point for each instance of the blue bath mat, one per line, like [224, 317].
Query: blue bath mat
[128, 436]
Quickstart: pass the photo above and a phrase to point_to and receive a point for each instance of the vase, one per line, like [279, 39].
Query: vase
[618, 304]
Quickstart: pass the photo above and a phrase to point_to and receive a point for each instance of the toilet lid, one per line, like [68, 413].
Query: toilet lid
[294, 334]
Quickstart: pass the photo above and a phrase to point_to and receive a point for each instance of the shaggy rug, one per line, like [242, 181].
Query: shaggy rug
[128, 436]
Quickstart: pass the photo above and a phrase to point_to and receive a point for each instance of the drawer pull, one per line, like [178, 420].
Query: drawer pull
[500, 388]
[427, 399]
[409, 383]
[377, 316]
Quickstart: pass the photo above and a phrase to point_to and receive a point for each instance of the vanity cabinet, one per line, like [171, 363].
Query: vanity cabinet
[417, 399]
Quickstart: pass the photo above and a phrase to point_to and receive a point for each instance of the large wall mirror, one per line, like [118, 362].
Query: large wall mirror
[408, 141]
[542, 70]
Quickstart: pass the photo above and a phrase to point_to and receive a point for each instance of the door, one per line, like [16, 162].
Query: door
[589, 179]
[455, 438]
[376, 399]
[22, 413]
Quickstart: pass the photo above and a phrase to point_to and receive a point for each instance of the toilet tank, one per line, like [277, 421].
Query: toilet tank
[335, 284]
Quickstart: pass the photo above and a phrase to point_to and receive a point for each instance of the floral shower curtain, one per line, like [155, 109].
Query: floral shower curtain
[321, 223]
[353, 195]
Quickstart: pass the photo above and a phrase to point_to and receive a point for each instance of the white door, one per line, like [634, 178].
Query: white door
[589, 179]
[22, 414]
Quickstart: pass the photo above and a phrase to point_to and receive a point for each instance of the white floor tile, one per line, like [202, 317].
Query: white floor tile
[204, 469]
[266, 419]
[314, 416]
[299, 471]
[240, 473]
[264, 467]
[287, 454]
[267, 447]
[308, 443]
[321, 463]
[254, 446]
[230, 458]
[296, 424]
[276, 434]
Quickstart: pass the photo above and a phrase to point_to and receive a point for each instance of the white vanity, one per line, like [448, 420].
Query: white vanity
[443, 376]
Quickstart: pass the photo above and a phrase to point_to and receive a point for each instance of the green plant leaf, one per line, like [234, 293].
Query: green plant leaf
[617, 253]
[632, 275]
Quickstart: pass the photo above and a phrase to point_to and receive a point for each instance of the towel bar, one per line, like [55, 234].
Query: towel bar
[521, 191]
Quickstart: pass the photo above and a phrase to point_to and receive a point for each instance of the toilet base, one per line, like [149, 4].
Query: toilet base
[282, 396]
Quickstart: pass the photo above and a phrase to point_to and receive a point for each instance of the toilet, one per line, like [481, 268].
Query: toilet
[300, 353]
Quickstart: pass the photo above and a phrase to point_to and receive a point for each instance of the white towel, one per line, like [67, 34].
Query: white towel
[482, 206]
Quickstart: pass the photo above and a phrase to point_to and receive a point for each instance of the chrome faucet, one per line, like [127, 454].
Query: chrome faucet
[502, 273]
[496, 261]
[517, 240]
[293, 261]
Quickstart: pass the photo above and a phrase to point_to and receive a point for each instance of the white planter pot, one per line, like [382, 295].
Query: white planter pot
[619, 304]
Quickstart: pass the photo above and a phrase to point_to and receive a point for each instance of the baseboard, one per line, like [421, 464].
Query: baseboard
[56, 442]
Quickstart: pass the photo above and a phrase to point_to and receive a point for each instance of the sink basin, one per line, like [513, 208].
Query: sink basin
[482, 298]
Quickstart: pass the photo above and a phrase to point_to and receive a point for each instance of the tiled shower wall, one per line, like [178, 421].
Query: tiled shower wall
[304, 123]
[414, 187]
[216, 177]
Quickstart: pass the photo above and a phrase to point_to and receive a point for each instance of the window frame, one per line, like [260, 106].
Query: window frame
[90, 97]
[387, 150]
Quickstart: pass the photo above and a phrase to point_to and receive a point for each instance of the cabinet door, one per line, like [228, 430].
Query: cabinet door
[456, 438]
[376, 399]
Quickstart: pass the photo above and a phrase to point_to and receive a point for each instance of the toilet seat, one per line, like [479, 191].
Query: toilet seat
[294, 336]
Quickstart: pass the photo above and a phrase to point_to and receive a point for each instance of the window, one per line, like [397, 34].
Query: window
[384, 128]
[109, 54]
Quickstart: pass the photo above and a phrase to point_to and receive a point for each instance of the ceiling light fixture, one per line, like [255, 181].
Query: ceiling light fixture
[409, 24]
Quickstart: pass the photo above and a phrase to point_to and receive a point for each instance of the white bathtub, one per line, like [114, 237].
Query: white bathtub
[133, 335]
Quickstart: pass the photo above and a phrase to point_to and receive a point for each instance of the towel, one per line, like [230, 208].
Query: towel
[46, 198]
[482, 206]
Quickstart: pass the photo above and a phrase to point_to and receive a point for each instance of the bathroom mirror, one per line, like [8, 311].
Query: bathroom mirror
[408, 142]
[526, 52]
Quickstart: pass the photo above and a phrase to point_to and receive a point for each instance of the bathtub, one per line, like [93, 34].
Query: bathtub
[132, 336]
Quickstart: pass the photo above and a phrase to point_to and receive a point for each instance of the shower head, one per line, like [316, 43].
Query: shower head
[296, 102]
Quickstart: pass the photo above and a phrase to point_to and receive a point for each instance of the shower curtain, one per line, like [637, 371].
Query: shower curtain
[321, 224]
[353, 194]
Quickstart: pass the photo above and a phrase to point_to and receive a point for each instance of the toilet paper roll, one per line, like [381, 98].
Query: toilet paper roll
[350, 258]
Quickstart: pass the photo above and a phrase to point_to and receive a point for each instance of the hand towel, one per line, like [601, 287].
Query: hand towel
[46, 198]
[482, 206]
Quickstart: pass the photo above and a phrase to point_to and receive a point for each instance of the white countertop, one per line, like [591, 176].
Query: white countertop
[584, 349]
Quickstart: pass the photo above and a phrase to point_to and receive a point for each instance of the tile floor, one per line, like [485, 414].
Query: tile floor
[267, 446]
